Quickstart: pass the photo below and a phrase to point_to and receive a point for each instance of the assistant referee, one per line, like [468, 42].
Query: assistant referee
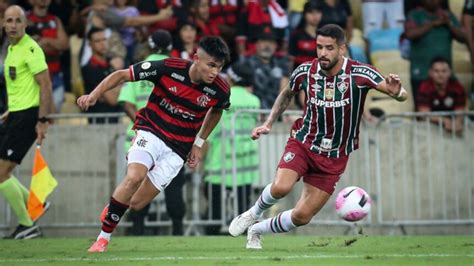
[29, 102]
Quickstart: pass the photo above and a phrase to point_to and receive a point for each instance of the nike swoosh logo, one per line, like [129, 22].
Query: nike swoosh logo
[348, 193]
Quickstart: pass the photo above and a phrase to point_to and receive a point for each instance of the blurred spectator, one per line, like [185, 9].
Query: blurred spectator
[124, 9]
[337, 12]
[271, 71]
[142, 49]
[376, 12]
[134, 96]
[95, 71]
[185, 42]
[200, 13]
[47, 29]
[441, 92]
[25, 4]
[68, 12]
[225, 13]
[218, 158]
[102, 15]
[302, 45]
[295, 12]
[257, 16]
[425, 26]
[468, 24]
[178, 10]
[409, 5]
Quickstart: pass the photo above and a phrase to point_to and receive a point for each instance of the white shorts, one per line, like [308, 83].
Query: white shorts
[163, 163]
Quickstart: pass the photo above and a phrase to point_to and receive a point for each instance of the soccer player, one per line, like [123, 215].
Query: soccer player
[187, 98]
[321, 141]
[134, 97]
[29, 102]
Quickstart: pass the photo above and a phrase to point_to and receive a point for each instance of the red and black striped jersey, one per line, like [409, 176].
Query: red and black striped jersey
[46, 27]
[225, 12]
[334, 105]
[302, 47]
[176, 107]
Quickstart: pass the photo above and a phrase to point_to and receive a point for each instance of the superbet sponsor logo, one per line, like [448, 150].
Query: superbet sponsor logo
[329, 104]
[176, 110]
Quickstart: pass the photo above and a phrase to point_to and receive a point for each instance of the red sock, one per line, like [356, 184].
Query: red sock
[113, 216]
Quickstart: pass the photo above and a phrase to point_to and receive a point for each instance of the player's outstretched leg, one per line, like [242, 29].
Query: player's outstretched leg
[240, 223]
[114, 211]
[311, 201]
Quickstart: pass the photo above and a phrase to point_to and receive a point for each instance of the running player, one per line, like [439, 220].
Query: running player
[321, 141]
[188, 97]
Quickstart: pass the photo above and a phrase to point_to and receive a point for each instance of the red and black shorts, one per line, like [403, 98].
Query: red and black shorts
[17, 134]
[317, 170]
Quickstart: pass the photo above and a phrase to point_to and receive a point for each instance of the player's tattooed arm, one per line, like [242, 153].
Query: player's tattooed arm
[281, 103]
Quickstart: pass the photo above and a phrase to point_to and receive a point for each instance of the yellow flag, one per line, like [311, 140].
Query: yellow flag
[42, 184]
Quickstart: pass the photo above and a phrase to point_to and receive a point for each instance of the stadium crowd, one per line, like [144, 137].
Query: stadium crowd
[273, 36]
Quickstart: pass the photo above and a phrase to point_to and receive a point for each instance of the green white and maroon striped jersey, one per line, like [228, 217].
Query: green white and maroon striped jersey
[334, 105]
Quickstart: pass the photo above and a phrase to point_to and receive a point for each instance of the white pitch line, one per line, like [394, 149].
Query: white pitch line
[170, 258]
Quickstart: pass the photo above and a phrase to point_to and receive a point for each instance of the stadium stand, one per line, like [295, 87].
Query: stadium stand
[358, 46]
[385, 56]
[462, 66]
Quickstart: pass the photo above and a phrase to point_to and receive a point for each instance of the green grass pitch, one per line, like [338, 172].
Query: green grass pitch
[225, 250]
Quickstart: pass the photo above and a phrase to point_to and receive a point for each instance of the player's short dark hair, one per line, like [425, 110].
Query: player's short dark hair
[216, 47]
[439, 59]
[334, 31]
[92, 31]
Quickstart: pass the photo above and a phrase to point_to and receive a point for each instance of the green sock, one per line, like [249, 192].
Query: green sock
[12, 192]
[23, 189]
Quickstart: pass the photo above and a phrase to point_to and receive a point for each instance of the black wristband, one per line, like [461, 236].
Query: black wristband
[43, 119]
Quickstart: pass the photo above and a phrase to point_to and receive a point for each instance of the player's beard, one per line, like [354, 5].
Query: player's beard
[329, 65]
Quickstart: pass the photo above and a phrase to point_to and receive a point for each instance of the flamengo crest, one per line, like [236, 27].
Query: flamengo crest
[203, 100]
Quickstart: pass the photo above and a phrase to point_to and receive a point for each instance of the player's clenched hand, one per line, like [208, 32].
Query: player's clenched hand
[86, 101]
[194, 157]
[256, 132]
[394, 85]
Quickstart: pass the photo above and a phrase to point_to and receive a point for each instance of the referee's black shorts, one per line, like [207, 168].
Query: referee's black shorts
[17, 134]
